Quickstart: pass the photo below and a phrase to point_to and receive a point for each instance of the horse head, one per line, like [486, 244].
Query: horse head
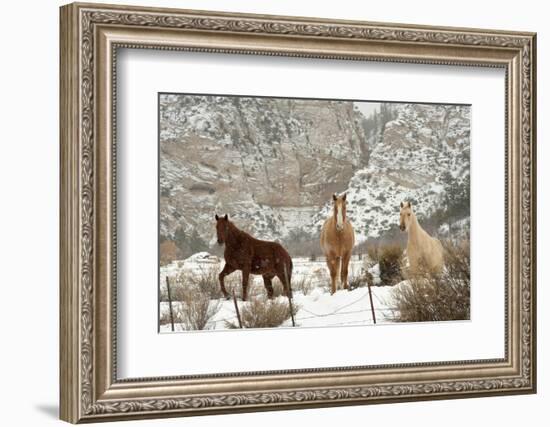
[222, 226]
[405, 216]
[339, 207]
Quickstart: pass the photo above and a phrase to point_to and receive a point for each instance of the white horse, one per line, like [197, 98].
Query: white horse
[422, 249]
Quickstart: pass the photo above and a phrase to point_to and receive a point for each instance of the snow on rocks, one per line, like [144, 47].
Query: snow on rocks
[203, 257]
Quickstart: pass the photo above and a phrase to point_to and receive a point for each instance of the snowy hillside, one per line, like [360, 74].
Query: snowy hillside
[273, 164]
[423, 152]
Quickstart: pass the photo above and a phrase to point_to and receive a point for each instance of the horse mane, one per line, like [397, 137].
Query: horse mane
[235, 234]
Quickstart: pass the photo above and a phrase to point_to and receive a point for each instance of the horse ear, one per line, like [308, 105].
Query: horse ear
[334, 197]
[409, 204]
[225, 217]
[401, 204]
[217, 217]
[344, 197]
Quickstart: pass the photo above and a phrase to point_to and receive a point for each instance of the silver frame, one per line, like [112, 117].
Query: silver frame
[90, 37]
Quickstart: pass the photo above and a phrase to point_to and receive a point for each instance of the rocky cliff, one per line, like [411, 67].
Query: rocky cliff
[272, 164]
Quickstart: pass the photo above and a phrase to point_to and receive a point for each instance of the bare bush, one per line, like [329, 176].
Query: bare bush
[177, 288]
[390, 262]
[358, 280]
[303, 284]
[373, 256]
[263, 313]
[433, 296]
[194, 297]
[197, 310]
[165, 318]
[369, 278]
[207, 281]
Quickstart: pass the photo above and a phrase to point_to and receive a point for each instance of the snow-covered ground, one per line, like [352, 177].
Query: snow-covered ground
[316, 306]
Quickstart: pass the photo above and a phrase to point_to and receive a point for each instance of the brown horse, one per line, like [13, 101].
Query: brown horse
[252, 256]
[337, 241]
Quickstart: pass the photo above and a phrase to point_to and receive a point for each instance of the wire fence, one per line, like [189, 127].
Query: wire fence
[372, 310]
[380, 308]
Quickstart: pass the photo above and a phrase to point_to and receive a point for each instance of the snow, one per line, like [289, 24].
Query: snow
[316, 308]
[368, 108]
[268, 161]
[202, 257]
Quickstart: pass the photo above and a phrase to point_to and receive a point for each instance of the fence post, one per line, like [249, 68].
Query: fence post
[170, 302]
[289, 296]
[237, 309]
[371, 304]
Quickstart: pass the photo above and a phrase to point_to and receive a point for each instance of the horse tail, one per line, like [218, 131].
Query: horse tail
[287, 267]
[290, 266]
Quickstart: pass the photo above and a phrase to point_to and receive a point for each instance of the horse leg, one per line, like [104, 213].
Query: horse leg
[227, 269]
[332, 263]
[344, 269]
[268, 285]
[246, 275]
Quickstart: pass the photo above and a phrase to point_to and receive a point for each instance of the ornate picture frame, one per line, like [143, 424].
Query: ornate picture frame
[90, 37]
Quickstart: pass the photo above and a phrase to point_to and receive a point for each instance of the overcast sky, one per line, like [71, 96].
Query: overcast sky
[367, 108]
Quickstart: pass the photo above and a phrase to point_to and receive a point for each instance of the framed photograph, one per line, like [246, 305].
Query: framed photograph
[266, 212]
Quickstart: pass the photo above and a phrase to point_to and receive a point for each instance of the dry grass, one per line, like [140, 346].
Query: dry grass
[303, 284]
[196, 311]
[373, 255]
[432, 296]
[358, 280]
[263, 313]
[207, 281]
[196, 294]
[165, 318]
[390, 258]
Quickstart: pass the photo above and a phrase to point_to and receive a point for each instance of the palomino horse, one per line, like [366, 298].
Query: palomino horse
[252, 256]
[422, 249]
[337, 240]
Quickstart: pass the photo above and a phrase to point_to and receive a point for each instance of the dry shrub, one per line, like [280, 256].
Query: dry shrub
[207, 281]
[198, 294]
[177, 288]
[197, 310]
[165, 318]
[431, 296]
[303, 284]
[390, 261]
[263, 313]
[373, 256]
[358, 280]
[369, 279]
